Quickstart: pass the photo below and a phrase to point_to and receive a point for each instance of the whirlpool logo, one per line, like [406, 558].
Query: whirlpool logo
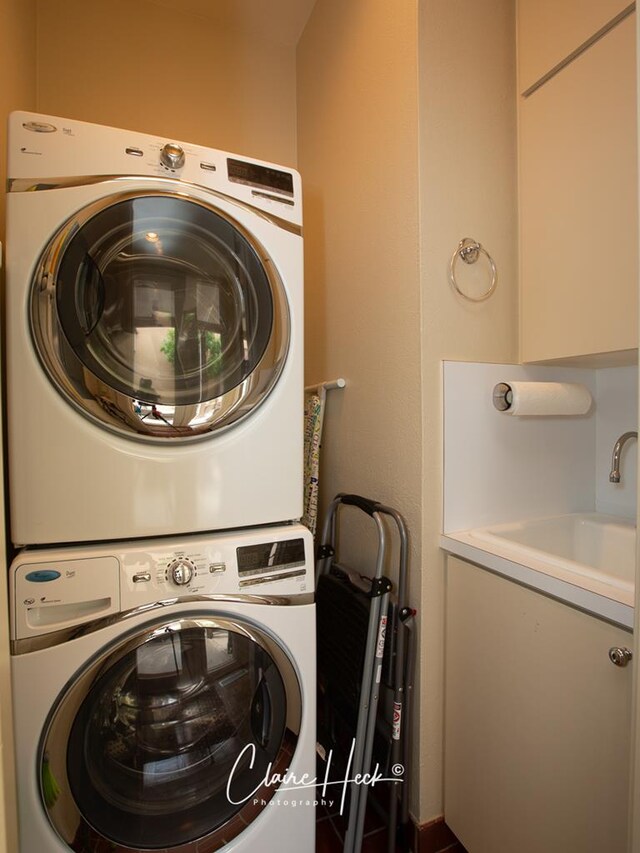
[39, 127]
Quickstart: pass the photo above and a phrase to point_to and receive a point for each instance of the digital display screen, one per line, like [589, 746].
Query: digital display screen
[262, 177]
[270, 556]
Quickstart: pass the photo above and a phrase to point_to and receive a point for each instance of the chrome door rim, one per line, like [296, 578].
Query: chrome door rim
[116, 411]
[57, 729]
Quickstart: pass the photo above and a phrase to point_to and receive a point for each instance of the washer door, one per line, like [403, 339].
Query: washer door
[167, 740]
[159, 316]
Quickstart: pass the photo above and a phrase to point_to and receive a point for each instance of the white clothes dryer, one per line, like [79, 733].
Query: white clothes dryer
[158, 686]
[154, 335]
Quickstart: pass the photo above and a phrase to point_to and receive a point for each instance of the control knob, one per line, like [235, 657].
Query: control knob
[172, 156]
[181, 571]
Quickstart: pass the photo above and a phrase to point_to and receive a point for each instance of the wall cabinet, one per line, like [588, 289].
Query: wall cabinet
[538, 721]
[549, 32]
[578, 205]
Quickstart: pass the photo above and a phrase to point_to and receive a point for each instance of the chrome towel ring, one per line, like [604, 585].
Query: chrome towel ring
[469, 250]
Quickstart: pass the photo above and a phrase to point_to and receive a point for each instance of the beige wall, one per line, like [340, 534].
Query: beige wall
[372, 315]
[140, 66]
[468, 189]
[17, 91]
[357, 151]
[17, 72]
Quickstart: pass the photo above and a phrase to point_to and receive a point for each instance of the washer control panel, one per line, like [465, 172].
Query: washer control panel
[157, 574]
[181, 571]
[265, 561]
[51, 591]
[59, 588]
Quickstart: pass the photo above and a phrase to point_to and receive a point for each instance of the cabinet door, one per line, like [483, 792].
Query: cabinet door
[578, 205]
[537, 724]
[549, 32]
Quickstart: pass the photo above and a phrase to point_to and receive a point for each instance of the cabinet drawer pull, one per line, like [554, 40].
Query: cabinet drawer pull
[620, 656]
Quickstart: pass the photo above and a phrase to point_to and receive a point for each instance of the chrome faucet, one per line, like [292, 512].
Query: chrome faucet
[614, 476]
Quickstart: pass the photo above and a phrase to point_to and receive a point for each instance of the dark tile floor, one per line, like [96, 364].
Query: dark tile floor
[331, 827]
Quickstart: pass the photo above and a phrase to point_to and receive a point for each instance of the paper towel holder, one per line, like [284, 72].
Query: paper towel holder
[502, 396]
[542, 398]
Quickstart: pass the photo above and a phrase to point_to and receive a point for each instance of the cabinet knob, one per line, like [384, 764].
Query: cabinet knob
[620, 656]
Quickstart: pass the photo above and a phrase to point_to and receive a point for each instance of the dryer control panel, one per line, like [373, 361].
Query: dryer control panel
[58, 589]
[42, 148]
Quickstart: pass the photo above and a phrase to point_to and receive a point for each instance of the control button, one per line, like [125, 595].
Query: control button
[135, 152]
[42, 576]
[181, 571]
[142, 577]
[208, 167]
[172, 156]
[217, 568]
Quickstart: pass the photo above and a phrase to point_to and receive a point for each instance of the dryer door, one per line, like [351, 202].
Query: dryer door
[169, 740]
[159, 316]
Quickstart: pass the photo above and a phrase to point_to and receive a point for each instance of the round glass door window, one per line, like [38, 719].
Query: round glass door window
[168, 742]
[159, 316]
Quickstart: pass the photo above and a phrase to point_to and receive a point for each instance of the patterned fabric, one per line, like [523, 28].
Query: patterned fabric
[313, 415]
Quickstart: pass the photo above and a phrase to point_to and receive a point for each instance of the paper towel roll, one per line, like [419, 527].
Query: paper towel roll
[547, 398]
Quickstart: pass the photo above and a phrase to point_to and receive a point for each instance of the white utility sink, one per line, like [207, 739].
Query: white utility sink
[593, 545]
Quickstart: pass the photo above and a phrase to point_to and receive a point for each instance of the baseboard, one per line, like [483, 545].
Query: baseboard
[434, 837]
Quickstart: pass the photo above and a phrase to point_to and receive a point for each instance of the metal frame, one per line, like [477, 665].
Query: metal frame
[371, 676]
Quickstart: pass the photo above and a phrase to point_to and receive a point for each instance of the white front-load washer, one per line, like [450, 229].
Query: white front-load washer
[154, 335]
[159, 687]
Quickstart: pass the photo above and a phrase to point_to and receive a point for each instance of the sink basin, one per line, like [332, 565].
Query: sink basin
[594, 545]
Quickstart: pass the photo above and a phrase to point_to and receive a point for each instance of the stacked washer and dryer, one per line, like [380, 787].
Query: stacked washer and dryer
[162, 617]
